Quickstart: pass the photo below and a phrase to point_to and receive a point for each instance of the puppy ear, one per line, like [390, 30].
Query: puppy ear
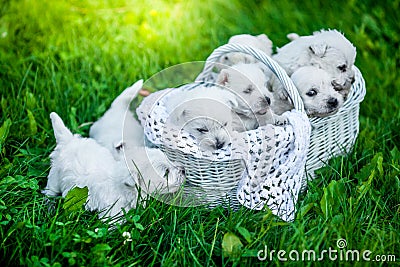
[318, 49]
[292, 36]
[264, 40]
[124, 99]
[61, 133]
[223, 77]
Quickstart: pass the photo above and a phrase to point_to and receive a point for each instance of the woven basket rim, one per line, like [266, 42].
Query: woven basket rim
[357, 92]
[276, 69]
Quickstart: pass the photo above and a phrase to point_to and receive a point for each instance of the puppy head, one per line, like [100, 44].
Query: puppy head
[261, 42]
[337, 40]
[335, 63]
[206, 114]
[248, 83]
[332, 52]
[75, 157]
[230, 59]
[317, 92]
[210, 133]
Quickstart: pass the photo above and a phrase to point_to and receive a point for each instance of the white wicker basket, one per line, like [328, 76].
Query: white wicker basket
[212, 181]
[335, 135]
[330, 136]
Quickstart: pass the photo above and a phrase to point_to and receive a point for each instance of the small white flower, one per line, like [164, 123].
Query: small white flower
[127, 237]
[96, 230]
[4, 35]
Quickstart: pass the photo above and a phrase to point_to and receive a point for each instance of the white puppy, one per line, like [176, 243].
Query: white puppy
[205, 113]
[117, 126]
[328, 50]
[261, 42]
[123, 135]
[248, 83]
[80, 162]
[316, 90]
[152, 170]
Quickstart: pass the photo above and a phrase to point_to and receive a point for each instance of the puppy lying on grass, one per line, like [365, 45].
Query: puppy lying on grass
[123, 135]
[81, 162]
[113, 174]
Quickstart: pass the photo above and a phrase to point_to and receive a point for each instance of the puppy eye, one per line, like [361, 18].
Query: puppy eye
[312, 92]
[202, 130]
[248, 90]
[342, 68]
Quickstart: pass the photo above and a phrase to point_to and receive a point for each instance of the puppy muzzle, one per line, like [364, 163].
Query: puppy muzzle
[213, 144]
[332, 103]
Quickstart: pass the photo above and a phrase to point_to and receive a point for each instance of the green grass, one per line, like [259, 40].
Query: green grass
[73, 57]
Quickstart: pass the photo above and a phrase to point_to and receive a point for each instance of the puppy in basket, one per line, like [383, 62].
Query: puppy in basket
[248, 82]
[205, 113]
[315, 87]
[261, 42]
[328, 50]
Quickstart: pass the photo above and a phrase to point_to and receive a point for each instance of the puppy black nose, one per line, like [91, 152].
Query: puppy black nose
[219, 144]
[268, 100]
[333, 102]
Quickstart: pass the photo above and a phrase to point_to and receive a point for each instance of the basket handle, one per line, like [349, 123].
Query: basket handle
[280, 73]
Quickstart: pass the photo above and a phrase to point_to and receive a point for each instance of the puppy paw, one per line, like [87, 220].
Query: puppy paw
[175, 176]
[281, 120]
[171, 175]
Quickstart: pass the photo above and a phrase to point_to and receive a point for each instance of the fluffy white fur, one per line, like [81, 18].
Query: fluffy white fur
[248, 83]
[123, 135]
[117, 126]
[316, 90]
[80, 162]
[261, 42]
[328, 50]
[205, 113]
[112, 181]
[152, 170]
